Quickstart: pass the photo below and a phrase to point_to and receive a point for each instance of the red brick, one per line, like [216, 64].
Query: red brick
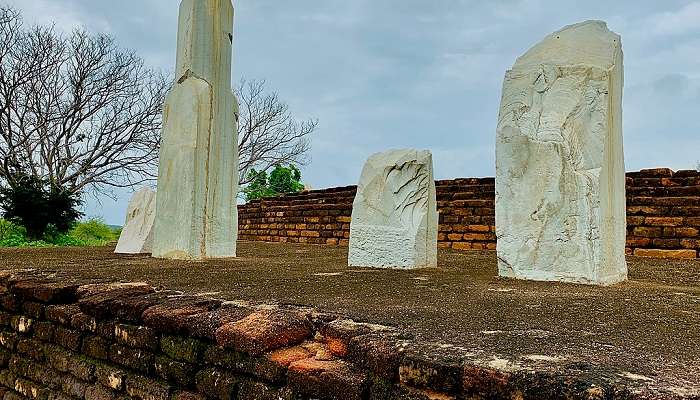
[462, 246]
[485, 382]
[690, 243]
[327, 379]
[656, 172]
[635, 220]
[681, 232]
[217, 384]
[45, 291]
[264, 331]
[656, 253]
[663, 221]
[173, 315]
[146, 389]
[648, 232]
[634, 241]
[61, 314]
[139, 337]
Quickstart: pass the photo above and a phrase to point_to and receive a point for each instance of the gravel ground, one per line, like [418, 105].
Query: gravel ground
[648, 327]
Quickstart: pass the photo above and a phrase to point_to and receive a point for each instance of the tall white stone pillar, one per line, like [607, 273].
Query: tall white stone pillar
[196, 215]
[560, 174]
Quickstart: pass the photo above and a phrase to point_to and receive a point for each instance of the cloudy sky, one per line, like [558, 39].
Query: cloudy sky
[384, 74]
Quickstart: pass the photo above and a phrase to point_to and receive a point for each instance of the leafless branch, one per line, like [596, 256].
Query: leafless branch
[268, 133]
[76, 110]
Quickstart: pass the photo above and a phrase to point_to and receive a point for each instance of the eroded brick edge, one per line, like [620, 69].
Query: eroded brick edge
[64, 340]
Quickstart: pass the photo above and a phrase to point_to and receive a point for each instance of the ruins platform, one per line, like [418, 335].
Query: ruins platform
[644, 333]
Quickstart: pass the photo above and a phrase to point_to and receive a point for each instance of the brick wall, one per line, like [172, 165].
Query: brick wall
[663, 210]
[63, 341]
[663, 213]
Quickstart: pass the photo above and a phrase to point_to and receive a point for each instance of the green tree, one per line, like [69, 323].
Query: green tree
[36, 205]
[281, 180]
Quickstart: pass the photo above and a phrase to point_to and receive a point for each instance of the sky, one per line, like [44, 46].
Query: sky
[381, 74]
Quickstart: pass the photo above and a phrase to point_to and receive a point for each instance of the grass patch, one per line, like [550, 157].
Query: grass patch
[93, 232]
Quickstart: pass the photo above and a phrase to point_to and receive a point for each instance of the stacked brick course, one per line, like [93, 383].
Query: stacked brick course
[663, 213]
[63, 341]
[663, 210]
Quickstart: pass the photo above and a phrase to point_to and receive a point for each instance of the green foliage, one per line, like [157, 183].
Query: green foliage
[36, 205]
[93, 232]
[9, 229]
[258, 187]
[281, 180]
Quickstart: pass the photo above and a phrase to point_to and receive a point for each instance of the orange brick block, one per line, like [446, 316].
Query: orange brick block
[455, 237]
[310, 234]
[479, 228]
[663, 221]
[657, 253]
[462, 246]
[690, 243]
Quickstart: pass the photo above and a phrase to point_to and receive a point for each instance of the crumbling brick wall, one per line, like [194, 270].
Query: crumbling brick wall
[663, 210]
[663, 213]
[61, 340]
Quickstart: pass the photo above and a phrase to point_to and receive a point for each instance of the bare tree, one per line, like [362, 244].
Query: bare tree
[268, 133]
[76, 111]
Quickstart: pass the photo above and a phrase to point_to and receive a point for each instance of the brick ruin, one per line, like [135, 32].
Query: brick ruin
[663, 215]
[62, 340]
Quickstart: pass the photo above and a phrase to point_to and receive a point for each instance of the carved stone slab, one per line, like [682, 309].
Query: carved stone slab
[137, 234]
[394, 216]
[560, 175]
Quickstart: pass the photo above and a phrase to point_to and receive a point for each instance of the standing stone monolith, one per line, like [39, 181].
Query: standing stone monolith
[560, 174]
[394, 215]
[196, 215]
[137, 233]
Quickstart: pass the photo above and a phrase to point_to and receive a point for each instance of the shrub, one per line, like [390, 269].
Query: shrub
[35, 204]
[93, 232]
[10, 229]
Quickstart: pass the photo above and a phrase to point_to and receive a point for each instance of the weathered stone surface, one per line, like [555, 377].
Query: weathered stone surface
[327, 379]
[44, 291]
[172, 316]
[204, 325]
[394, 215]
[137, 234]
[340, 332]
[138, 337]
[123, 301]
[146, 389]
[560, 176]
[196, 213]
[432, 367]
[217, 384]
[265, 331]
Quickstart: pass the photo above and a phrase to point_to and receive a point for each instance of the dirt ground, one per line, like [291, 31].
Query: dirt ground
[648, 327]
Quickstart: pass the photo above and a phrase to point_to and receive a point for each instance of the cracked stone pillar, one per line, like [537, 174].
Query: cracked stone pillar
[196, 215]
[137, 234]
[394, 215]
[560, 174]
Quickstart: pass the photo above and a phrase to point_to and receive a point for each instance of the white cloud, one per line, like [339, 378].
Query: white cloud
[682, 21]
